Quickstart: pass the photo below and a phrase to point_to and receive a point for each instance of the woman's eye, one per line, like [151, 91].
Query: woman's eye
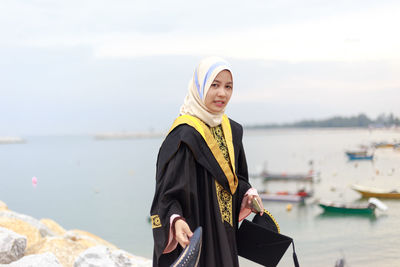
[214, 85]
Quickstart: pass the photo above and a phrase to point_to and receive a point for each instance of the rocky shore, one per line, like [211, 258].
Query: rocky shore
[27, 242]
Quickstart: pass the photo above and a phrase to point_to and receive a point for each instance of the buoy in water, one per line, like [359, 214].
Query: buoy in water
[34, 181]
[289, 207]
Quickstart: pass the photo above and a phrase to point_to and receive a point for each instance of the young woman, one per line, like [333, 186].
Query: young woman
[202, 177]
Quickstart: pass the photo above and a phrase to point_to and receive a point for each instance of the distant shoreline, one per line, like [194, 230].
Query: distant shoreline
[360, 121]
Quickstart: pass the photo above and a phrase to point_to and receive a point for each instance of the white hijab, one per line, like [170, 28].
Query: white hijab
[204, 75]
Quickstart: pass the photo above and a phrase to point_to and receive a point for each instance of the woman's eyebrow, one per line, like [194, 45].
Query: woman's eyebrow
[220, 81]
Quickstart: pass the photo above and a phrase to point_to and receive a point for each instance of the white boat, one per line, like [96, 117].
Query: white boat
[285, 196]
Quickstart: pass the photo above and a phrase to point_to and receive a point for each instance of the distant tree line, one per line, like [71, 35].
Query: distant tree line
[361, 121]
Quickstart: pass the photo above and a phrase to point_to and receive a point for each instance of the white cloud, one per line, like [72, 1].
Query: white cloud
[365, 36]
[357, 36]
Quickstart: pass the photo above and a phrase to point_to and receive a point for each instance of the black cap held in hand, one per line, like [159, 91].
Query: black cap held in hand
[261, 242]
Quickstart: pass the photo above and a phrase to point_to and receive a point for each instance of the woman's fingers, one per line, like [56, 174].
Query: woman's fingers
[261, 204]
[187, 231]
[249, 199]
[182, 233]
[182, 239]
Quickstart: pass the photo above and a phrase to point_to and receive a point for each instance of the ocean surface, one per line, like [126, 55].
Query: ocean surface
[106, 187]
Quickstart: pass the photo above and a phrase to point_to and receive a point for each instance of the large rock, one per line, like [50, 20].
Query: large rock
[66, 250]
[123, 258]
[42, 260]
[99, 256]
[49, 244]
[43, 229]
[23, 228]
[90, 238]
[53, 226]
[12, 246]
[102, 256]
[3, 206]
[67, 247]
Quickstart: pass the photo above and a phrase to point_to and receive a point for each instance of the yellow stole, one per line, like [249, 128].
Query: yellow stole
[205, 132]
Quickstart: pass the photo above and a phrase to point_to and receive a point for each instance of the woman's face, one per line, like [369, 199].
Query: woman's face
[220, 92]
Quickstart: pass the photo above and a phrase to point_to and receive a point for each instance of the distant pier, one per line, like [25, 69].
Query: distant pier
[122, 135]
[11, 140]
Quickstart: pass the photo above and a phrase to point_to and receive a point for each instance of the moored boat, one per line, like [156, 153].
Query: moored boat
[307, 177]
[352, 208]
[376, 192]
[285, 196]
[359, 155]
[384, 145]
[343, 208]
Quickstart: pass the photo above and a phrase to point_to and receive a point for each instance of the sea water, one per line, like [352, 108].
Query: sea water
[106, 187]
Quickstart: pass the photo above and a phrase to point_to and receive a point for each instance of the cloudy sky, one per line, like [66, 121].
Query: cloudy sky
[88, 66]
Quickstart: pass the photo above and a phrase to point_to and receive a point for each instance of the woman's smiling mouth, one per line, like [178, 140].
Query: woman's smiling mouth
[219, 103]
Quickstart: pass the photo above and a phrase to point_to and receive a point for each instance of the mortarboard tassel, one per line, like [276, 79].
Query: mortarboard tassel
[296, 262]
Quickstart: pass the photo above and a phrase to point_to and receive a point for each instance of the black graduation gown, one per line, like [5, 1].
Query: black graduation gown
[185, 185]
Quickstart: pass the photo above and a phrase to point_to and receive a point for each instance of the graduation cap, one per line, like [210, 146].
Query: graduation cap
[190, 256]
[259, 240]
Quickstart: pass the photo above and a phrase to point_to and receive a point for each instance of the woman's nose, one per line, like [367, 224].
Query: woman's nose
[221, 91]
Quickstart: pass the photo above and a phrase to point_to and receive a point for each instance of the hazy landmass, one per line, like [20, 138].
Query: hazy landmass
[361, 121]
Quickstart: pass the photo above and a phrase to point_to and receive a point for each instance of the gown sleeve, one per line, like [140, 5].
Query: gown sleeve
[174, 189]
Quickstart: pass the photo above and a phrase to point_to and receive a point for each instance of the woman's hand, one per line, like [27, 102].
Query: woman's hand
[182, 233]
[251, 206]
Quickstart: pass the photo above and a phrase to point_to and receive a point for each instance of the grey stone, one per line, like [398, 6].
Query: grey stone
[102, 256]
[43, 229]
[98, 256]
[120, 258]
[43, 260]
[12, 246]
[125, 259]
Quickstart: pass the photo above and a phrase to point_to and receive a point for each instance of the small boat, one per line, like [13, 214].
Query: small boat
[340, 262]
[385, 144]
[376, 192]
[365, 208]
[307, 177]
[285, 196]
[359, 155]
